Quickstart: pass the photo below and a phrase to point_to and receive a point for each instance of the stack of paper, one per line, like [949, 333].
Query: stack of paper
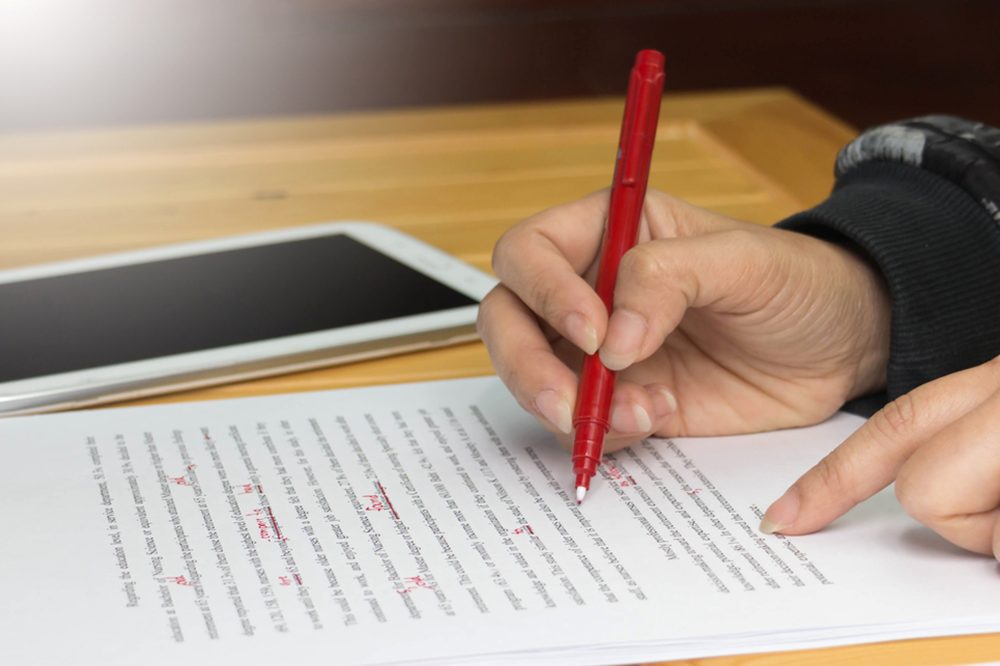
[436, 522]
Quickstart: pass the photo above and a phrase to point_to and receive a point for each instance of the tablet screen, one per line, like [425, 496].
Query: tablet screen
[130, 313]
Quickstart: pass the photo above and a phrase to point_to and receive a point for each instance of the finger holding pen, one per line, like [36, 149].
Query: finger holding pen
[543, 260]
[538, 374]
[531, 323]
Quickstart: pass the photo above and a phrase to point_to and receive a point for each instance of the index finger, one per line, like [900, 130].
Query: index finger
[542, 259]
[869, 460]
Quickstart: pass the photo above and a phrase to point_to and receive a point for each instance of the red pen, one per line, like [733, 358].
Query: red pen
[628, 191]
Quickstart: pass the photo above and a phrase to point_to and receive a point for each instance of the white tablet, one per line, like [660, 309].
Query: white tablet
[132, 324]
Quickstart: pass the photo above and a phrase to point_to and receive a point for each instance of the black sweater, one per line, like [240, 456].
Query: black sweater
[921, 197]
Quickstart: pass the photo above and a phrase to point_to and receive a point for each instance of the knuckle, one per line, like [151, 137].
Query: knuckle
[743, 241]
[743, 238]
[897, 419]
[643, 265]
[830, 475]
[545, 298]
[541, 296]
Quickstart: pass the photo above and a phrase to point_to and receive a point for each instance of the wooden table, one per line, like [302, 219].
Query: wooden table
[456, 178]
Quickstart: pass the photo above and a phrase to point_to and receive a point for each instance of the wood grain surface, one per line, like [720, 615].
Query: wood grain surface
[454, 177]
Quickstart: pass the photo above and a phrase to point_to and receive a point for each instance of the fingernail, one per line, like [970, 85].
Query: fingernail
[630, 418]
[782, 513]
[626, 331]
[581, 332]
[668, 401]
[555, 410]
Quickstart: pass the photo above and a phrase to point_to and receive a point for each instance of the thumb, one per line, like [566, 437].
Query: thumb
[869, 460]
[660, 280]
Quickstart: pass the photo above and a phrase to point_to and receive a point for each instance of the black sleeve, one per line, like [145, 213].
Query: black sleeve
[920, 198]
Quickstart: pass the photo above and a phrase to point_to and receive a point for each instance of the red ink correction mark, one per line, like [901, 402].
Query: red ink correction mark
[274, 523]
[524, 530]
[182, 480]
[178, 580]
[695, 491]
[375, 503]
[246, 489]
[387, 501]
[287, 580]
[265, 531]
[616, 474]
[298, 579]
[265, 524]
[414, 583]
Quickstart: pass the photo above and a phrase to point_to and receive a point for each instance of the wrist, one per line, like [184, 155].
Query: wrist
[936, 247]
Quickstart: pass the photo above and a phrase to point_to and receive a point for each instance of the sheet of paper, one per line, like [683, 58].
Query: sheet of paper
[436, 522]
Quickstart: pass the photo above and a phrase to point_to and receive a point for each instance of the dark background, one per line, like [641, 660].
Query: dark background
[81, 63]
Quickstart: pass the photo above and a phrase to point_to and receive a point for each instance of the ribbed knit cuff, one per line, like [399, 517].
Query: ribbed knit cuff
[940, 254]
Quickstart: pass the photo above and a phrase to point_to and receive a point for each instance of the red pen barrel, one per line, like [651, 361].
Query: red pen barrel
[628, 193]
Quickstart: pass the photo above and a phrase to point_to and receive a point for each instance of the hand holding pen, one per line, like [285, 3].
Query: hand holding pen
[714, 331]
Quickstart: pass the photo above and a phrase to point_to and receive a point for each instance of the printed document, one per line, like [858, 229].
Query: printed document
[437, 522]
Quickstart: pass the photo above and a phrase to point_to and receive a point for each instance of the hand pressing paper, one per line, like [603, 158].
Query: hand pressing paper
[437, 521]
